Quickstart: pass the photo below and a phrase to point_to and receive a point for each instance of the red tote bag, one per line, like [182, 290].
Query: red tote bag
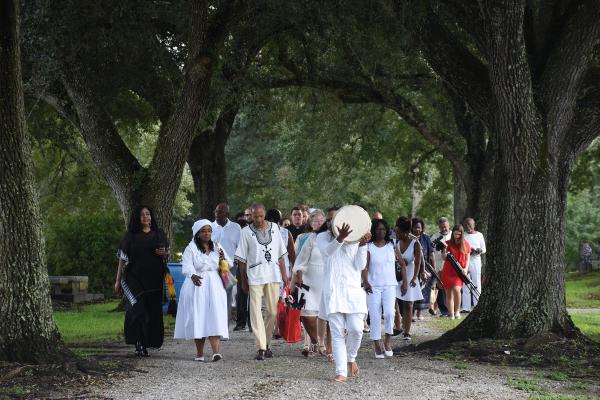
[293, 330]
[281, 317]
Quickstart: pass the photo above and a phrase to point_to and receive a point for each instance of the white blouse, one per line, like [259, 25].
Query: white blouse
[195, 262]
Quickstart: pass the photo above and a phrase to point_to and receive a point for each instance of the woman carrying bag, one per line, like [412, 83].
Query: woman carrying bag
[202, 309]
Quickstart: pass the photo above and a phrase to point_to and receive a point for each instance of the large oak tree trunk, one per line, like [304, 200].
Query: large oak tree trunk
[208, 165]
[525, 257]
[523, 71]
[27, 332]
[524, 292]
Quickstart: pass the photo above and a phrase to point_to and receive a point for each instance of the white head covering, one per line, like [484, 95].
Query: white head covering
[201, 223]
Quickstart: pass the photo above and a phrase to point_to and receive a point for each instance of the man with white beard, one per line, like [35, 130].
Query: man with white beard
[477, 243]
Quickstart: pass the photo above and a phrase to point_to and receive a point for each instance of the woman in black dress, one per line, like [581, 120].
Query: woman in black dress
[140, 277]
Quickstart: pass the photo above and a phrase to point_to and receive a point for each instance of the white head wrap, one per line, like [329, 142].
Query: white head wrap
[201, 223]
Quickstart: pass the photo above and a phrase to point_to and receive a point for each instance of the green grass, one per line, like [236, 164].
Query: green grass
[445, 323]
[589, 323]
[96, 323]
[90, 323]
[554, 396]
[16, 391]
[526, 385]
[461, 365]
[583, 290]
[557, 376]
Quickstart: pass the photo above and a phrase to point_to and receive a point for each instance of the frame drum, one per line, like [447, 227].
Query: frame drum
[357, 218]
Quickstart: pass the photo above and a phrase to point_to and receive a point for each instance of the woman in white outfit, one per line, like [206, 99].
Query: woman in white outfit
[309, 270]
[410, 291]
[202, 308]
[344, 300]
[379, 281]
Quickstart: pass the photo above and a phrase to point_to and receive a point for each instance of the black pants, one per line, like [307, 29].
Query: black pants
[241, 304]
[441, 301]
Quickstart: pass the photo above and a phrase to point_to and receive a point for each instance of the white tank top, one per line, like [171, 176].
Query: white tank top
[382, 265]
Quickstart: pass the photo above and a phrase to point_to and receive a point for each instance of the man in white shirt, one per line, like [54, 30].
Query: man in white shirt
[477, 243]
[260, 255]
[227, 234]
[343, 299]
[438, 301]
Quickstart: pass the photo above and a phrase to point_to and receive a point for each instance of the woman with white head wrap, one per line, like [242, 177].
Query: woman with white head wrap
[202, 308]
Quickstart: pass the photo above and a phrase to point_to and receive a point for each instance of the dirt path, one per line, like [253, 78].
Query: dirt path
[171, 373]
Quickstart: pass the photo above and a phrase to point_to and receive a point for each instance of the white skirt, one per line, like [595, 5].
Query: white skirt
[202, 310]
[412, 293]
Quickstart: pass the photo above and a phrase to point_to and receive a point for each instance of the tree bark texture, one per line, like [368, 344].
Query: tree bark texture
[27, 332]
[459, 198]
[531, 111]
[208, 164]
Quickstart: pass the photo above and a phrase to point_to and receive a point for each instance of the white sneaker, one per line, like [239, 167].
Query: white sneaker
[379, 356]
[457, 316]
[389, 353]
[199, 359]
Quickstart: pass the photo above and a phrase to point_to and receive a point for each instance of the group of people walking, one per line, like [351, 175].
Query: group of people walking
[384, 276]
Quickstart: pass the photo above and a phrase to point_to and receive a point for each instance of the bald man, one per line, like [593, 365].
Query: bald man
[227, 234]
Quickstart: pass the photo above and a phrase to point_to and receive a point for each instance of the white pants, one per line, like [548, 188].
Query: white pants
[382, 296]
[468, 302]
[346, 335]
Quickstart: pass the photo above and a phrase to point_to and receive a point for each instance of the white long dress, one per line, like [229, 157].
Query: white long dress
[412, 293]
[201, 310]
[310, 262]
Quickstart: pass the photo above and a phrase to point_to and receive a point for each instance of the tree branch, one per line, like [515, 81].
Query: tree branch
[54, 102]
[567, 65]
[206, 40]
[353, 92]
[586, 125]
[455, 64]
[111, 155]
[468, 17]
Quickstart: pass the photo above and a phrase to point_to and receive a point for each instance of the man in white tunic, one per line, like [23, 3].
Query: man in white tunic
[477, 243]
[260, 255]
[344, 300]
[227, 234]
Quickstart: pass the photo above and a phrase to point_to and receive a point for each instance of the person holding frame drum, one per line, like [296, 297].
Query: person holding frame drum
[345, 305]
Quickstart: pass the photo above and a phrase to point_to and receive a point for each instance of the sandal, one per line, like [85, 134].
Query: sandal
[340, 379]
[305, 351]
[322, 350]
[354, 370]
[312, 349]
